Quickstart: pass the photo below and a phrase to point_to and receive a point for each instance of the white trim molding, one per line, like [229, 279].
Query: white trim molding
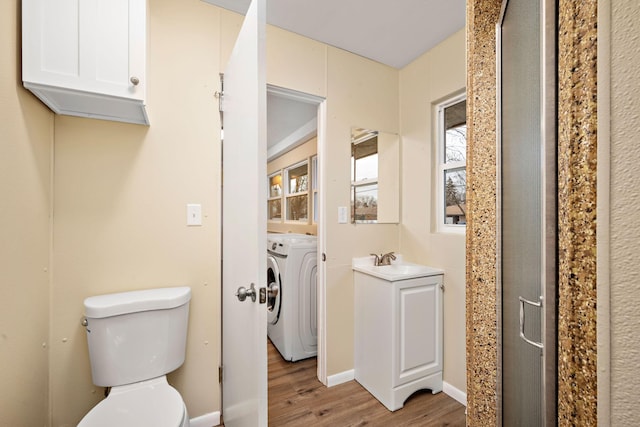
[321, 288]
[454, 393]
[207, 420]
[340, 378]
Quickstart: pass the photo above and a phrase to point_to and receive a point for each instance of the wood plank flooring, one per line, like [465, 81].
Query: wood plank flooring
[297, 398]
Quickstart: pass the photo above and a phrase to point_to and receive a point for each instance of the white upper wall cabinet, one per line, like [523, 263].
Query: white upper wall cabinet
[86, 58]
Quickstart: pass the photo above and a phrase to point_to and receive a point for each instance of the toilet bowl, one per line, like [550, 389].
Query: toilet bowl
[135, 339]
[147, 403]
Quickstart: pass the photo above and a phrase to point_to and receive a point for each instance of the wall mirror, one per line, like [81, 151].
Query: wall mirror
[375, 176]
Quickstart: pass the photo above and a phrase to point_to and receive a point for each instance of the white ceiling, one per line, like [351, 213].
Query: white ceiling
[290, 122]
[393, 32]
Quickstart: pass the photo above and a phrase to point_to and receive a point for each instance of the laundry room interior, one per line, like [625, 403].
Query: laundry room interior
[292, 177]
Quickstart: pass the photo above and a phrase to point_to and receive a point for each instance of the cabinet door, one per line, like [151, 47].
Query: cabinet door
[113, 46]
[418, 347]
[94, 46]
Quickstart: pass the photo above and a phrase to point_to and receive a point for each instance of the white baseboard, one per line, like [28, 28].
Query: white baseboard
[340, 378]
[455, 393]
[207, 420]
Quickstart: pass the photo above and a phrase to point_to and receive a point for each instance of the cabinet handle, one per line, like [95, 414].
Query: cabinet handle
[134, 80]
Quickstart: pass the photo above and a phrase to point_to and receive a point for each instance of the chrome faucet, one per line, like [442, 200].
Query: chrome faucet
[383, 259]
[386, 258]
[376, 259]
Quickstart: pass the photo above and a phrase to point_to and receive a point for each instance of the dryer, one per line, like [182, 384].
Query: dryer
[292, 315]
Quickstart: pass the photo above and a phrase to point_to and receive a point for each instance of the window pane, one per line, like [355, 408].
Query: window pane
[365, 202]
[275, 209]
[364, 157]
[298, 178]
[275, 186]
[456, 144]
[315, 207]
[314, 172]
[297, 208]
[455, 138]
[366, 168]
[455, 191]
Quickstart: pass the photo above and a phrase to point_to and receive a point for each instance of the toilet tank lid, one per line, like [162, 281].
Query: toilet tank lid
[134, 301]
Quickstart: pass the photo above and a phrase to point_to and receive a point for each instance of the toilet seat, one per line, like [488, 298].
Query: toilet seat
[147, 403]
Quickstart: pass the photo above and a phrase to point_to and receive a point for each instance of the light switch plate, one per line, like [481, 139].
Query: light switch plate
[343, 215]
[194, 214]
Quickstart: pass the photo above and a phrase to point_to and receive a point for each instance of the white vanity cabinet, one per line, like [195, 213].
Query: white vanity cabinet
[86, 58]
[398, 336]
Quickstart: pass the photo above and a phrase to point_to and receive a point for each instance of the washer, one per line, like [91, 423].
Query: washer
[292, 319]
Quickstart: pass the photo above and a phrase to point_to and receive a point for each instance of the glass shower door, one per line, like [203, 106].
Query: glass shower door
[527, 212]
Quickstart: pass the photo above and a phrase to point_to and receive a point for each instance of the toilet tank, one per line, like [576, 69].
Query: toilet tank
[138, 335]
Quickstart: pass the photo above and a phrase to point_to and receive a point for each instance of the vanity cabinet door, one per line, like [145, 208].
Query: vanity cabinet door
[86, 58]
[418, 329]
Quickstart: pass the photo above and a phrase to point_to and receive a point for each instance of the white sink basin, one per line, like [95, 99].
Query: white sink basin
[398, 270]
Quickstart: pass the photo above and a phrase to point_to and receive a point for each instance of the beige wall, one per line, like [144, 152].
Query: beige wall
[437, 74]
[298, 154]
[26, 128]
[120, 209]
[296, 62]
[625, 226]
[360, 93]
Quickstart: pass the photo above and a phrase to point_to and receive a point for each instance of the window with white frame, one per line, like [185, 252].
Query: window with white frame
[452, 164]
[293, 193]
[297, 192]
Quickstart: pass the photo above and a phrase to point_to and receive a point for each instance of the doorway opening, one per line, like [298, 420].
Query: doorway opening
[295, 146]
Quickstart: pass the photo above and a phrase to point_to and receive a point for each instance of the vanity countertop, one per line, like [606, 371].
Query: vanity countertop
[398, 270]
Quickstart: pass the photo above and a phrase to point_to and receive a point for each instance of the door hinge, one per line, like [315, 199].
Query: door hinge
[219, 374]
[220, 94]
[220, 97]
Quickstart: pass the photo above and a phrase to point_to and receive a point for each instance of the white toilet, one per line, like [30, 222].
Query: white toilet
[135, 339]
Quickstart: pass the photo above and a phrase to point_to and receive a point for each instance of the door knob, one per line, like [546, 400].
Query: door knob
[134, 80]
[243, 293]
[273, 290]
